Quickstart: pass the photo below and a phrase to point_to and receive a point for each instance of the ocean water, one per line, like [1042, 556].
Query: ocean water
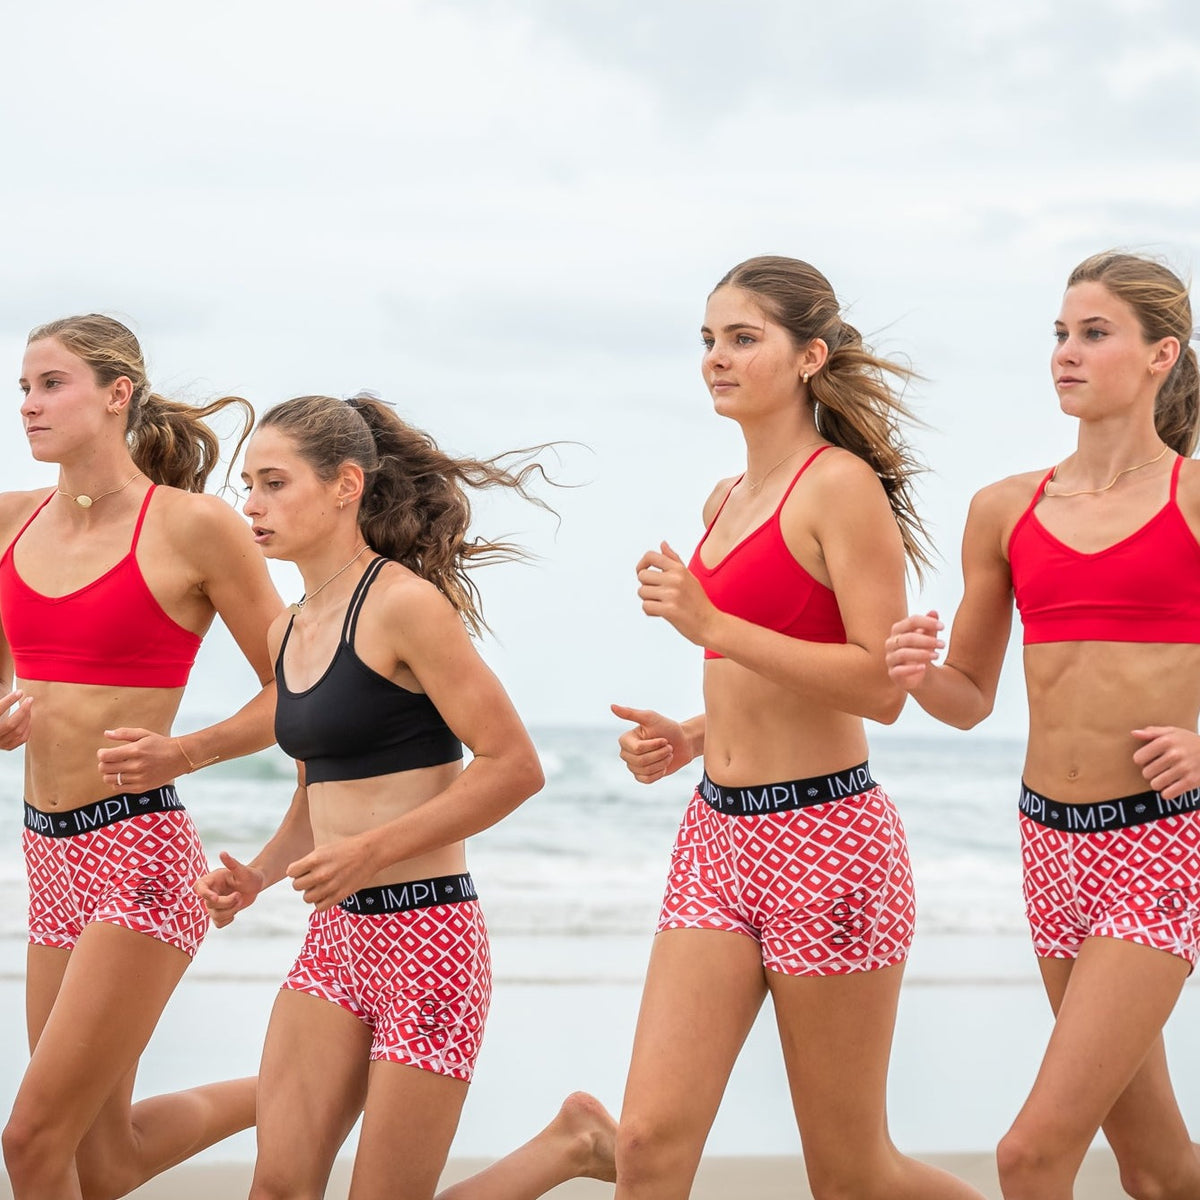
[586, 857]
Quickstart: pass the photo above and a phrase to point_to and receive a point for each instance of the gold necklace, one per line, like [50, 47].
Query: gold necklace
[753, 487]
[1097, 491]
[306, 597]
[86, 501]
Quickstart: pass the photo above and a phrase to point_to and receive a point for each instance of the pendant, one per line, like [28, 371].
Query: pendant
[84, 501]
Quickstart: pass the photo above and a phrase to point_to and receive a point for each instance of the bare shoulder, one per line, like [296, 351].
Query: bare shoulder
[717, 497]
[410, 604]
[15, 509]
[206, 527]
[1008, 497]
[276, 630]
[839, 469]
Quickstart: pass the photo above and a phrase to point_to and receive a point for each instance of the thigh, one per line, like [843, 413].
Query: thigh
[408, 1124]
[88, 1032]
[702, 993]
[1110, 1006]
[836, 1035]
[311, 1088]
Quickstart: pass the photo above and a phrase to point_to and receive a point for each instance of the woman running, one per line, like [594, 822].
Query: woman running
[790, 873]
[108, 583]
[1102, 557]
[379, 687]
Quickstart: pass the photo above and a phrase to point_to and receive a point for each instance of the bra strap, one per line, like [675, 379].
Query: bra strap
[796, 478]
[350, 624]
[28, 523]
[1175, 476]
[137, 529]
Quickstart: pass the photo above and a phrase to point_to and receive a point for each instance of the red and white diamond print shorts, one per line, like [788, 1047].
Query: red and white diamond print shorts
[135, 871]
[1135, 882]
[826, 889]
[421, 979]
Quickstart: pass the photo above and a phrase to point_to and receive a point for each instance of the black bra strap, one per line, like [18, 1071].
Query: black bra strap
[350, 625]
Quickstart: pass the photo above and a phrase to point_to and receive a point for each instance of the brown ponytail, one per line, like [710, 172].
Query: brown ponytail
[168, 440]
[1159, 299]
[416, 506]
[855, 404]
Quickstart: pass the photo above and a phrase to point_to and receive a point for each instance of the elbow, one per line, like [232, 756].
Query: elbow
[886, 704]
[530, 778]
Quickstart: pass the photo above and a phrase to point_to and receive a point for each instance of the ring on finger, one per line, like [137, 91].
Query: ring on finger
[119, 783]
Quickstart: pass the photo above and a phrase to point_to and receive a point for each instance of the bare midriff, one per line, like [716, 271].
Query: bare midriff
[1085, 700]
[344, 808]
[759, 732]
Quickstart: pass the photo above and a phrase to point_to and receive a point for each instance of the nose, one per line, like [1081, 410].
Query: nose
[1067, 350]
[715, 359]
[29, 405]
[251, 506]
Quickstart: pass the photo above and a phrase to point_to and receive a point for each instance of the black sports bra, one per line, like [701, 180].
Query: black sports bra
[353, 723]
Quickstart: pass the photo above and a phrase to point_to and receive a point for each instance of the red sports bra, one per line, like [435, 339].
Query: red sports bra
[760, 581]
[110, 631]
[1144, 588]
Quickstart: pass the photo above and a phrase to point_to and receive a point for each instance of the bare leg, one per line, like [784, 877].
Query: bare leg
[703, 990]
[313, 1085]
[836, 1034]
[91, 1012]
[1104, 1064]
[580, 1143]
[408, 1125]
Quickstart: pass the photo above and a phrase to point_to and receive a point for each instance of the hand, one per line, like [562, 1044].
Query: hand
[331, 872]
[1170, 759]
[657, 748]
[143, 760]
[912, 647]
[14, 726]
[229, 889]
[668, 589]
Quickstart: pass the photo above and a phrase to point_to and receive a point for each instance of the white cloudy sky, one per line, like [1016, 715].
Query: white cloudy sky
[505, 216]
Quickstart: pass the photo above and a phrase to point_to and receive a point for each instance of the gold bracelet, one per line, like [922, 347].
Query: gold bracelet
[187, 758]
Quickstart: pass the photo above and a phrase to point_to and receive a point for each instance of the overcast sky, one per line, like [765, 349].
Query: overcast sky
[506, 218]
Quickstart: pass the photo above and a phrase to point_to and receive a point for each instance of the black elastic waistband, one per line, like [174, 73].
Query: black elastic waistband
[104, 812]
[779, 797]
[413, 893]
[1103, 815]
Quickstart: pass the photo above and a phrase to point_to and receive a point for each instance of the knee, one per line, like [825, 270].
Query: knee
[1023, 1161]
[1142, 1182]
[647, 1151]
[29, 1148]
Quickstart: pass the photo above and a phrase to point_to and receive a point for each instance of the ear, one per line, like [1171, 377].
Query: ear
[1164, 355]
[349, 484]
[813, 357]
[119, 395]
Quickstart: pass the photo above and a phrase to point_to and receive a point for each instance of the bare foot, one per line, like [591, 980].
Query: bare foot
[593, 1134]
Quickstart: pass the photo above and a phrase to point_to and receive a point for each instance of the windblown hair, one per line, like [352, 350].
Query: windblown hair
[169, 441]
[854, 403]
[1159, 299]
[416, 506]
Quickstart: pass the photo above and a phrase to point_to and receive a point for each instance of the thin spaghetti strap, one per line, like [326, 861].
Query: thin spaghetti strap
[28, 523]
[350, 624]
[1175, 476]
[796, 477]
[137, 529]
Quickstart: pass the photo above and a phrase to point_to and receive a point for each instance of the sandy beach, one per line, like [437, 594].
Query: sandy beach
[720, 1178]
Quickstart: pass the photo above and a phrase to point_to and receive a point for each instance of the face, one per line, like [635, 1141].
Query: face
[1102, 363]
[750, 363]
[290, 508]
[65, 409]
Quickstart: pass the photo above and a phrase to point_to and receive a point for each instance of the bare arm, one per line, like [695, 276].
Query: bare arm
[233, 575]
[657, 746]
[962, 692]
[430, 638]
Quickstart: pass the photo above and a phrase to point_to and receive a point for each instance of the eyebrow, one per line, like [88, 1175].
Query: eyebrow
[1088, 321]
[735, 327]
[46, 374]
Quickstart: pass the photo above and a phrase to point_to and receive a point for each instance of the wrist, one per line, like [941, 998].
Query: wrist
[193, 763]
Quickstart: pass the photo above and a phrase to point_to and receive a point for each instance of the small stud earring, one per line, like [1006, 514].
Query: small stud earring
[804, 377]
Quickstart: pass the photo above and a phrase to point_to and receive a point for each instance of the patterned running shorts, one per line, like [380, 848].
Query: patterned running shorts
[826, 888]
[417, 973]
[128, 860]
